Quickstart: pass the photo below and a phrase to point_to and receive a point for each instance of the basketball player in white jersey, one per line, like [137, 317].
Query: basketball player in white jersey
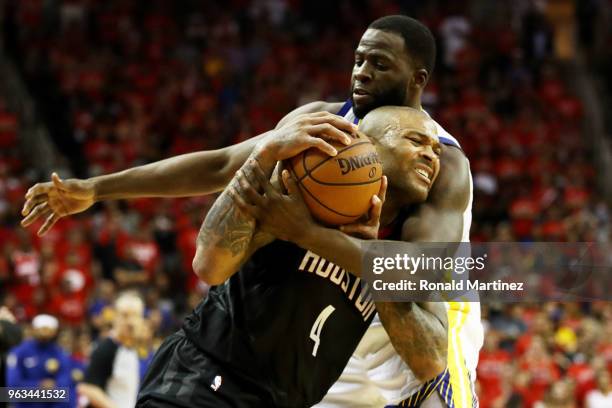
[392, 65]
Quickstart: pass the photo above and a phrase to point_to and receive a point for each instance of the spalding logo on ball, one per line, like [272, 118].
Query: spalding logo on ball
[338, 190]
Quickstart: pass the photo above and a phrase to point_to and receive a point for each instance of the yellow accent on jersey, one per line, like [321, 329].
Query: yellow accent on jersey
[459, 374]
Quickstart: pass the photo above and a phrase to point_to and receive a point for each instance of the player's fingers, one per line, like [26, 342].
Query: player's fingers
[49, 222]
[375, 211]
[322, 145]
[33, 202]
[290, 184]
[329, 132]
[247, 191]
[382, 192]
[337, 122]
[38, 211]
[263, 181]
[241, 203]
[37, 189]
[248, 173]
[58, 182]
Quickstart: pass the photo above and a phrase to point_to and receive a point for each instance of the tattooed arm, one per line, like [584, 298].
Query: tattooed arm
[419, 333]
[227, 236]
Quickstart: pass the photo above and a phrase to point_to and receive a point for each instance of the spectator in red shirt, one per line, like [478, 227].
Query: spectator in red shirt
[541, 326]
[26, 268]
[492, 365]
[541, 368]
[144, 249]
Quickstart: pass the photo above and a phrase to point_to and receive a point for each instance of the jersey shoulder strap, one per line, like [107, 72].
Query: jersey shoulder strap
[346, 111]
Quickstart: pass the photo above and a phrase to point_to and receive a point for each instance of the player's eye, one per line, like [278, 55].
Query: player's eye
[381, 67]
[416, 141]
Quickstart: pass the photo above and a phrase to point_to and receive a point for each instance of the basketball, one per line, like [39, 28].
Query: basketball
[338, 190]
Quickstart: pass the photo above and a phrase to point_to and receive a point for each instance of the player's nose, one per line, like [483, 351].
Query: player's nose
[363, 73]
[428, 153]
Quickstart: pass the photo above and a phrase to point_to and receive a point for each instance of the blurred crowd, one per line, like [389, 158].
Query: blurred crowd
[122, 83]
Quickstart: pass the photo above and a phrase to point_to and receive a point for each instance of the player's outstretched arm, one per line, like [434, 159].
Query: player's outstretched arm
[185, 175]
[226, 237]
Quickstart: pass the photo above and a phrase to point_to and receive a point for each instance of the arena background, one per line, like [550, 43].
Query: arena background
[91, 87]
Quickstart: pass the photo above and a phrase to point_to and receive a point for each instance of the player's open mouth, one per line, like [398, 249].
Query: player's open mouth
[425, 175]
[360, 95]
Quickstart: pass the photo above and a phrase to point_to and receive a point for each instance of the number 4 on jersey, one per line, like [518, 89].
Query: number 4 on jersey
[317, 327]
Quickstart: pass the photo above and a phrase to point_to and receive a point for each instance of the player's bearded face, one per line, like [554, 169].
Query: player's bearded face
[379, 95]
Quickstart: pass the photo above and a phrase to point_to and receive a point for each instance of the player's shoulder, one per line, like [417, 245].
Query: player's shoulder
[311, 107]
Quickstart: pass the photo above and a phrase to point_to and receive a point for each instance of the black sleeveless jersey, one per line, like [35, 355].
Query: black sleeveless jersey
[287, 322]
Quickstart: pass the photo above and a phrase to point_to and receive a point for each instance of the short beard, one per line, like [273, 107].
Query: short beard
[393, 97]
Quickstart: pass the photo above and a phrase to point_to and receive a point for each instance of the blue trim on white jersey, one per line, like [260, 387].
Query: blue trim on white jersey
[345, 108]
[447, 141]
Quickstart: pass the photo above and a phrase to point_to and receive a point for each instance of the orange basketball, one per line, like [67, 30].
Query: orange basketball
[338, 190]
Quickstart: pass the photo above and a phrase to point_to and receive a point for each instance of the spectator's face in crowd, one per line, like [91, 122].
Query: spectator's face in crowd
[107, 290]
[66, 340]
[491, 341]
[382, 73]
[45, 334]
[128, 318]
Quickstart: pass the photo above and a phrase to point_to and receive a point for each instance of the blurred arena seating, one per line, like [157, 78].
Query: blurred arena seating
[125, 82]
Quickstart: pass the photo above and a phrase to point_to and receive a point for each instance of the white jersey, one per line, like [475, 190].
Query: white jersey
[376, 376]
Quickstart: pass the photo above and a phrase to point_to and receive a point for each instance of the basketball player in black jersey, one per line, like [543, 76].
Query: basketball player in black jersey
[278, 333]
[392, 64]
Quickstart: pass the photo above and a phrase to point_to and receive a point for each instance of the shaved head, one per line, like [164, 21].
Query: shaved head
[407, 143]
[381, 121]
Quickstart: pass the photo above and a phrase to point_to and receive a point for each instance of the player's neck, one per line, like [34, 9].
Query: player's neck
[413, 101]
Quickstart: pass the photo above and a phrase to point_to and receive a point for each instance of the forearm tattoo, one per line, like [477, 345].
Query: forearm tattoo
[415, 333]
[226, 227]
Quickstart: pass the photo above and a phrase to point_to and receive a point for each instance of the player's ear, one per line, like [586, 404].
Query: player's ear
[420, 78]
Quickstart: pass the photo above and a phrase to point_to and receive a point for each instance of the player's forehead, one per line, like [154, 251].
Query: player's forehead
[385, 43]
[413, 121]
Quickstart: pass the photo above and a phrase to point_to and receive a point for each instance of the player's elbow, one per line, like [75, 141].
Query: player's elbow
[207, 269]
[433, 363]
[430, 369]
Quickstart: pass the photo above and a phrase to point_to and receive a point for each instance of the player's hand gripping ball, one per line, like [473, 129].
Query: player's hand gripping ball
[338, 190]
